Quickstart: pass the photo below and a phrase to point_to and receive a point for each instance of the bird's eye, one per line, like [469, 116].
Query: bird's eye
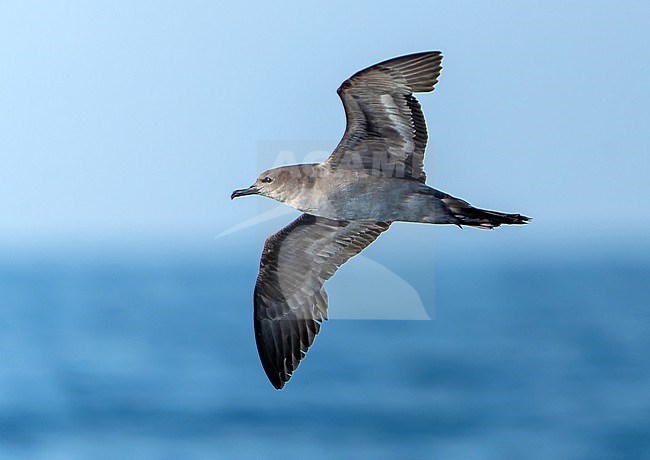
[267, 179]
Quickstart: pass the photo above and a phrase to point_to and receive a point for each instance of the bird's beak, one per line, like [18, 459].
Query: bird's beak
[252, 190]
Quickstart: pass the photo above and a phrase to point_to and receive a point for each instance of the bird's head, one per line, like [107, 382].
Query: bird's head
[267, 184]
[285, 184]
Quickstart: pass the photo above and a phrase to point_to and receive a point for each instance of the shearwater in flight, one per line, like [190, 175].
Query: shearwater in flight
[374, 177]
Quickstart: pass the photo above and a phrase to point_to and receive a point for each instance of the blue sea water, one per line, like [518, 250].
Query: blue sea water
[124, 356]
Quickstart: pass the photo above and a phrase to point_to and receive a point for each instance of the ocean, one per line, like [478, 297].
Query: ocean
[113, 356]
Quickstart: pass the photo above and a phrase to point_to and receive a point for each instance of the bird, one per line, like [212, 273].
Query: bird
[374, 177]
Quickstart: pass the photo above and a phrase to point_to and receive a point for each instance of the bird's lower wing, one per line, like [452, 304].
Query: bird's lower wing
[290, 302]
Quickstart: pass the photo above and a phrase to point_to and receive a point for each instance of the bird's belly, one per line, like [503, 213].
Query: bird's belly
[360, 202]
[353, 196]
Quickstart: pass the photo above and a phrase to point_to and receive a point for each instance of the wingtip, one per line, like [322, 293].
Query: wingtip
[278, 382]
[423, 53]
[277, 379]
[411, 64]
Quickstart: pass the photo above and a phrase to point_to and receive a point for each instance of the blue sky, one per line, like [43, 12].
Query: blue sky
[135, 120]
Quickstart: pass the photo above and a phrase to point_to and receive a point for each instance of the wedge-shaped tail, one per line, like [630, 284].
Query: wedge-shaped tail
[463, 213]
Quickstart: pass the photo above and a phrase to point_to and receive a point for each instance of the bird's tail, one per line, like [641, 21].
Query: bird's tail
[463, 213]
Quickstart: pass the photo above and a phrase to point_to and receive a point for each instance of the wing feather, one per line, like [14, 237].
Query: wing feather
[386, 134]
[290, 302]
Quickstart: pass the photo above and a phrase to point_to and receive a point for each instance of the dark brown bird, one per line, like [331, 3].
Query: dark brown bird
[374, 177]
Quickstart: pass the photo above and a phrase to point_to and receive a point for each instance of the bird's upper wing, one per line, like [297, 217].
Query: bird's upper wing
[386, 133]
[290, 302]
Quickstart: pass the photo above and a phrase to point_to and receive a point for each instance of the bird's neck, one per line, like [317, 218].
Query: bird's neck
[299, 191]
